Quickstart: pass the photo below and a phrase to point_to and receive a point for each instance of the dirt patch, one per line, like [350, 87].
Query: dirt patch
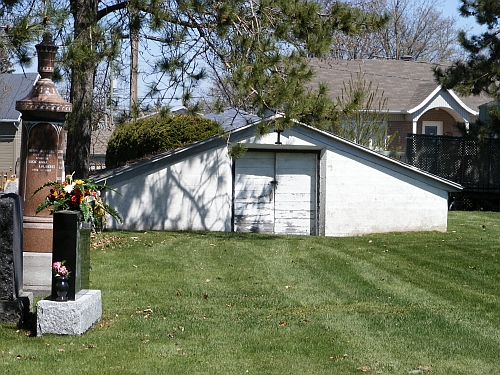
[97, 240]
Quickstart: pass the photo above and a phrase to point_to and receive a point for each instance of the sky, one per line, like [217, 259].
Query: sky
[450, 8]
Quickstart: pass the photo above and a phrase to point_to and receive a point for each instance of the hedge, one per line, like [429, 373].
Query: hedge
[146, 137]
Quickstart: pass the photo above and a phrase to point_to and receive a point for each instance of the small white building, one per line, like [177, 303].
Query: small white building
[310, 183]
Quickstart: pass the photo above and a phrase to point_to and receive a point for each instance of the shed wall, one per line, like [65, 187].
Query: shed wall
[363, 197]
[359, 192]
[365, 194]
[191, 194]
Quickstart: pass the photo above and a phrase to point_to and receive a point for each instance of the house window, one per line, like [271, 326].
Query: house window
[432, 127]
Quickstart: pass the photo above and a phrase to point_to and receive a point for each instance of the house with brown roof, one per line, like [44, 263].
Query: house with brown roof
[416, 103]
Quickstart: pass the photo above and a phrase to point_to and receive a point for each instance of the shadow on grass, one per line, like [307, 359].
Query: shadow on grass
[28, 324]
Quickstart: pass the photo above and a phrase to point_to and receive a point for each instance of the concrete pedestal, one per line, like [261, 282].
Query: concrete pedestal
[71, 317]
[37, 273]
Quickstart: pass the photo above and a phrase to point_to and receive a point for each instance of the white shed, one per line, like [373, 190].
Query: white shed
[309, 183]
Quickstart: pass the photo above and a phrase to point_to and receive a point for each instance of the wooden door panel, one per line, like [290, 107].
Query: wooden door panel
[275, 193]
[295, 195]
[254, 194]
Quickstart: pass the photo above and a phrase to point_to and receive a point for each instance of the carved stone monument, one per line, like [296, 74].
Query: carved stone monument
[43, 113]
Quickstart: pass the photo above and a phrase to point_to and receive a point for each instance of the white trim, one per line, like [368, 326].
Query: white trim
[471, 111]
[426, 100]
[453, 95]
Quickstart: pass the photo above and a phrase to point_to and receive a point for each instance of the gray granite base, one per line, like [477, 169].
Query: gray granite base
[71, 317]
[17, 310]
[37, 273]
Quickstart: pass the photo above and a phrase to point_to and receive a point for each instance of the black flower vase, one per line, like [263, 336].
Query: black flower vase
[62, 287]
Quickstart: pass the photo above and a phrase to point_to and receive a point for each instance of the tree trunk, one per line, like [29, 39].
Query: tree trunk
[82, 88]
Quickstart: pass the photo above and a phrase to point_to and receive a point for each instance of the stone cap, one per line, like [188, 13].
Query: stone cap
[44, 101]
[44, 97]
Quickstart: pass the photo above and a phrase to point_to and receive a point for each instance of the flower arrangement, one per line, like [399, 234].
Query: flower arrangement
[59, 269]
[82, 195]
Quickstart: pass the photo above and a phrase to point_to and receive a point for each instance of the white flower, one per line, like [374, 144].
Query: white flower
[89, 198]
[69, 188]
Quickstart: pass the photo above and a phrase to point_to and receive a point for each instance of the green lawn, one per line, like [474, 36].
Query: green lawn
[225, 303]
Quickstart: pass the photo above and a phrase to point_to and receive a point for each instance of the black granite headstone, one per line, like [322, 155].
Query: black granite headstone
[11, 246]
[15, 305]
[71, 243]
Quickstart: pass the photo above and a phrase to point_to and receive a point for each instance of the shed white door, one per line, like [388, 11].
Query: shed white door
[275, 193]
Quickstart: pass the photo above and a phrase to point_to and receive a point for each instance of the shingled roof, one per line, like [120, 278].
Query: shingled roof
[232, 118]
[14, 87]
[406, 84]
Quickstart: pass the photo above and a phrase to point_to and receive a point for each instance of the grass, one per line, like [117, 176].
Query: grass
[225, 303]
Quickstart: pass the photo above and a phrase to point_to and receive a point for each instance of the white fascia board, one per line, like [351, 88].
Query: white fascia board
[470, 110]
[17, 122]
[389, 111]
[436, 90]
[17, 119]
[453, 95]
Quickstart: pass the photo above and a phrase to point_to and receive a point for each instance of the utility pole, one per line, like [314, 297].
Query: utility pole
[134, 58]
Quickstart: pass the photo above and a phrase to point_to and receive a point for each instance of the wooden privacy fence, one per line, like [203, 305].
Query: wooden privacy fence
[473, 164]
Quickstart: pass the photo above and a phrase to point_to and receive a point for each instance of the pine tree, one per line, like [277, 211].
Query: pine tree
[360, 114]
[6, 65]
[480, 71]
[256, 50]
[363, 114]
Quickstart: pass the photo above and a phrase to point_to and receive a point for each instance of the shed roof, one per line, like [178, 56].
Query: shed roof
[232, 118]
[406, 84]
[14, 87]
[249, 130]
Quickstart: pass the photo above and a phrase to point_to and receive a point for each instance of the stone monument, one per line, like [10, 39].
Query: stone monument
[84, 306]
[15, 305]
[72, 245]
[43, 113]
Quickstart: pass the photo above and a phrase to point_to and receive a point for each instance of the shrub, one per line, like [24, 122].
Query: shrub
[135, 140]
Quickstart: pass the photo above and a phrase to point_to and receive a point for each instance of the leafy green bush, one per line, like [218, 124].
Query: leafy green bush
[135, 140]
